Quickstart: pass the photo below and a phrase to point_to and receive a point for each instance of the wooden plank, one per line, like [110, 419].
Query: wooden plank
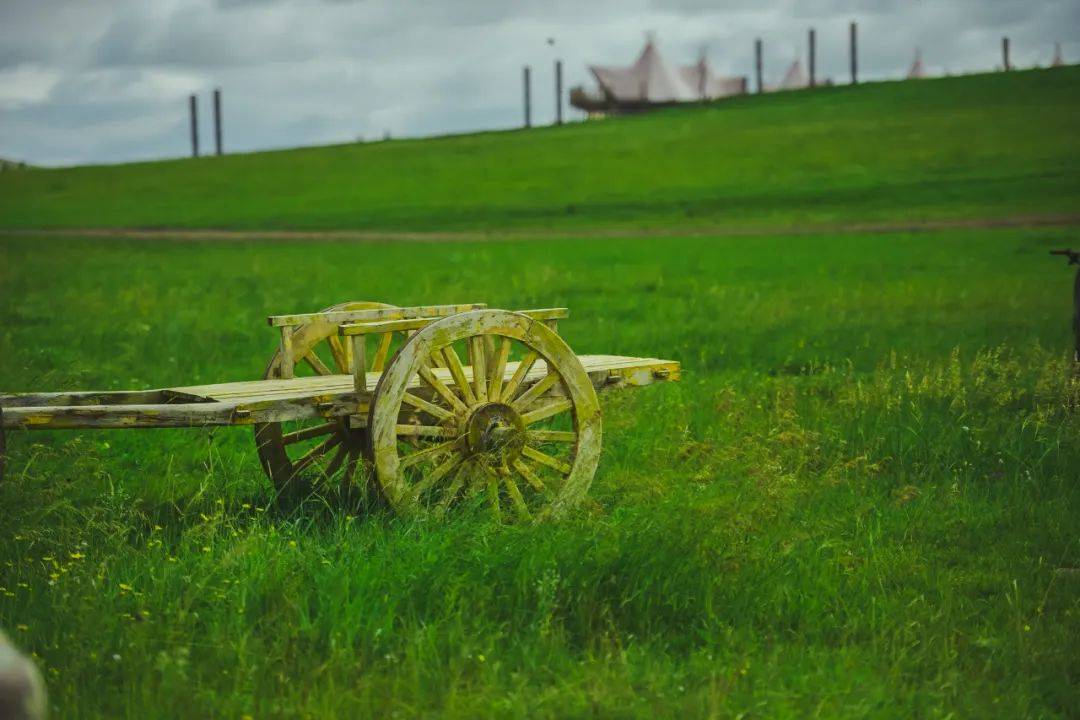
[108, 397]
[384, 326]
[359, 363]
[368, 327]
[119, 416]
[398, 313]
[285, 367]
[277, 400]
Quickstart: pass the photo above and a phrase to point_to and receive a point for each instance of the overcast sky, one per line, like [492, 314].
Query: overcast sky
[89, 81]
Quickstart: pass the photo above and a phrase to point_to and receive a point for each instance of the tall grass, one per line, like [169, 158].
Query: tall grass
[861, 500]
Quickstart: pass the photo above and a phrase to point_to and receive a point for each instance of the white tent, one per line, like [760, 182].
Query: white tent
[651, 80]
[916, 72]
[1058, 61]
[703, 80]
[795, 77]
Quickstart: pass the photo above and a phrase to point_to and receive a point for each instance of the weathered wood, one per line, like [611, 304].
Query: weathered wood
[382, 352]
[478, 413]
[287, 360]
[111, 397]
[359, 363]
[122, 416]
[368, 327]
[493, 433]
[291, 399]
[337, 317]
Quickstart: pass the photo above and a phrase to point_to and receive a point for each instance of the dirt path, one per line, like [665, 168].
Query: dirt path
[188, 234]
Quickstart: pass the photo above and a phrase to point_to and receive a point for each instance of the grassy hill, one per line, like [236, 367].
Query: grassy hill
[860, 500]
[986, 146]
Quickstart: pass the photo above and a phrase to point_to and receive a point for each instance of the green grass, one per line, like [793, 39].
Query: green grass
[860, 501]
[986, 146]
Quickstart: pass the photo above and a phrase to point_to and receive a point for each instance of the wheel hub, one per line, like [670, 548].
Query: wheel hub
[496, 433]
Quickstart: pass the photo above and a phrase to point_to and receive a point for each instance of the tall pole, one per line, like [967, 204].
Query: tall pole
[1005, 53]
[193, 107]
[528, 100]
[757, 65]
[217, 120]
[558, 92]
[811, 63]
[854, 54]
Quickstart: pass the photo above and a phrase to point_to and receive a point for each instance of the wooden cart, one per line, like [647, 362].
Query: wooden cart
[422, 406]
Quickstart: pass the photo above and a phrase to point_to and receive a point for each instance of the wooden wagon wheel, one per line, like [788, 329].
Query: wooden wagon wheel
[297, 455]
[518, 430]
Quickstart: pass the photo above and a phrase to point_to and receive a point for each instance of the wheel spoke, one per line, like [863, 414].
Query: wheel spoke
[350, 467]
[544, 459]
[435, 431]
[539, 388]
[315, 453]
[380, 354]
[493, 493]
[308, 433]
[546, 411]
[436, 475]
[444, 392]
[478, 359]
[429, 408]
[428, 453]
[317, 364]
[451, 492]
[498, 370]
[526, 472]
[340, 353]
[335, 462]
[523, 369]
[515, 497]
[552, 436]
[453, 362]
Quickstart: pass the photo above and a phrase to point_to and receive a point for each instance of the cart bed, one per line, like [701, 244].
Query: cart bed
[253, 401]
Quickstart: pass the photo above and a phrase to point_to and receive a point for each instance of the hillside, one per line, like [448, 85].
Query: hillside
[985, 146]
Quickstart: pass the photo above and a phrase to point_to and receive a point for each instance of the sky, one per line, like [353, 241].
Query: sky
[105, 81]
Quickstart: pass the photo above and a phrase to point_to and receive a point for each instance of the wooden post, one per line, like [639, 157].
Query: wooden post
[528, 99]
[193, 108]
[854, 49]
[757, 65]
[286, 367]
[558, 92]
[1005, 54]
[359, 362]
[810, 40]
[217, 120]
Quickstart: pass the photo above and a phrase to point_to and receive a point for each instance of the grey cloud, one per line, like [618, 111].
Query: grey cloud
[107, 80]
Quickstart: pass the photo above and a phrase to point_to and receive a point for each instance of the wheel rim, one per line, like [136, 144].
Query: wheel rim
[521, 436]
[298, 456]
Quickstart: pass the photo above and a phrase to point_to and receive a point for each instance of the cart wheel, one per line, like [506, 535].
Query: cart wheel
[299, 455]
[521, 434]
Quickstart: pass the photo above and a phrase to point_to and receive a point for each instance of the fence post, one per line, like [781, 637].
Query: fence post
[854, 50]
[528, 100]
[558, 92]
[217, 120]
[757, 65]
[812, 57]
[1005, 54]
[193, 108]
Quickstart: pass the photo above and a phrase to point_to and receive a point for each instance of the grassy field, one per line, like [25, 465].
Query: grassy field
[861, 500]
[987, 146]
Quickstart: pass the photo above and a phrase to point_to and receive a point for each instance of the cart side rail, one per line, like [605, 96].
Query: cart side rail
[337, 317]
[357, 333]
